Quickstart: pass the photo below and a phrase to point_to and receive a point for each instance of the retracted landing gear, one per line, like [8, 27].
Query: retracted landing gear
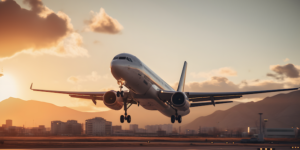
[126, 117]
[176, 117]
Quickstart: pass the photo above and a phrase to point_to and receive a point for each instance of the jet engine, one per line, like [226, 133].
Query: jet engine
[111, 100]
[180, 101]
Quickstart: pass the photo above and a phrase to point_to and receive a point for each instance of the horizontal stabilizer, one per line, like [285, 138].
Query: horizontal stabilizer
[208, 103]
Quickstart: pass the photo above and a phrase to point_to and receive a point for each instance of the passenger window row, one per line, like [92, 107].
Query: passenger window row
[129, 59]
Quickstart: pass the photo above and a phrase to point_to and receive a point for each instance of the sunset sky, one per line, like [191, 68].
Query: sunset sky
[229, 45]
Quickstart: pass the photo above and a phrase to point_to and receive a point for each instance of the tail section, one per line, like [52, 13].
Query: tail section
[182, 78]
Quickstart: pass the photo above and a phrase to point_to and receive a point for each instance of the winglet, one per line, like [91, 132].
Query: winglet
[31, 86]
[182, 78]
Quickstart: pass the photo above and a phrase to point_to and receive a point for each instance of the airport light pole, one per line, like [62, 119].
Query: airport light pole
[260, 122]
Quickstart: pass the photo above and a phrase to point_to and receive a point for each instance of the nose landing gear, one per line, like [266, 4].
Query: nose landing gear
[120, 93]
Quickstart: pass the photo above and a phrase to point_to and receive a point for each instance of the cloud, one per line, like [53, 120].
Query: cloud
[36, 31]
[73, 79]
[287, 76]
[277, 77]
[286, 60]
[102, 23]
[225, 71]
[223, 84]
[288, 70]
[91, 77]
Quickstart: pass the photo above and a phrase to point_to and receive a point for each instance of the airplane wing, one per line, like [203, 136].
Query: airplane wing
[85, 95]
[200, 94]
[212, 96]
[70, 92]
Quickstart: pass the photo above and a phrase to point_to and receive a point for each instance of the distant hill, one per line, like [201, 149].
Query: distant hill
[282, 111]
[33, 113]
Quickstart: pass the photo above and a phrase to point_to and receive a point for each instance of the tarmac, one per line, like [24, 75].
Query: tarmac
[140, 145]
[147, 143]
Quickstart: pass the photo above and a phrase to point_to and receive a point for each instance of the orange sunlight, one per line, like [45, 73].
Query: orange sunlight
[7, 87]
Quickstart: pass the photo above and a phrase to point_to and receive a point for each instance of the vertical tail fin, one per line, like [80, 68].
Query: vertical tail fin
[182, 78]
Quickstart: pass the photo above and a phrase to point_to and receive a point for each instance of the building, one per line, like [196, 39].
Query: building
[108, 128]
[253, 130]
[190, 132]
[116, 128]
[140, 130]
[97, 127]
[154, 128]
[151, 128]
[71, 127]
[58, 127]
[133, 127]
[8, 123]
[206, 130]
[167, 127]
[281, 132]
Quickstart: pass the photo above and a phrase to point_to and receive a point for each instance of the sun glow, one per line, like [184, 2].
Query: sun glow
[7, 87]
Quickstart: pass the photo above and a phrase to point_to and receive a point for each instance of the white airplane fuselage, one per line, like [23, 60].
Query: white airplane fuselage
[143, 83]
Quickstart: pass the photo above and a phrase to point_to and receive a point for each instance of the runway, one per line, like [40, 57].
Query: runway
[166, 148]
[56, 145]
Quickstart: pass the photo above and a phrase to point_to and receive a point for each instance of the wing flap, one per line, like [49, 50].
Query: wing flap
[208, 98]
[208, 103]
[87, 97]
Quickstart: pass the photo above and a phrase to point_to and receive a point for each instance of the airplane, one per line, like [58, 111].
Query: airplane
[151, 92]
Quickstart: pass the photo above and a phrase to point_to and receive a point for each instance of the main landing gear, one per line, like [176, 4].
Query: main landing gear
[126, 117]
[126, 105]
[176, 117]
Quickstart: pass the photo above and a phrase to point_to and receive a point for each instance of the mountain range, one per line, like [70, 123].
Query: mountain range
[281, 110]
[32, 113]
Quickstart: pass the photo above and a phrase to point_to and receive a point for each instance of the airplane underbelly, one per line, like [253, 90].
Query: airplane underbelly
[135, 82]
[148, 104]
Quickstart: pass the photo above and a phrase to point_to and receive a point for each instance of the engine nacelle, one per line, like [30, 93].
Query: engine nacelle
[180, 101]
[111, 100]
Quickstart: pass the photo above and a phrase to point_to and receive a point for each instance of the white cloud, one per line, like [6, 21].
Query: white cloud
[94, 76]
[225, 71]
[286, 60]
[103, 23]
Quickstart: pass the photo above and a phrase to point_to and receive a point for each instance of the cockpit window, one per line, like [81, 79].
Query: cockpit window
[129, 59]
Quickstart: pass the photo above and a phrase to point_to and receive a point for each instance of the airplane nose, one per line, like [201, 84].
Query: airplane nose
[116, 68]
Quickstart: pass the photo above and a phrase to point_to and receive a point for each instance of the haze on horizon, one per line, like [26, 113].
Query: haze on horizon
[68, 45]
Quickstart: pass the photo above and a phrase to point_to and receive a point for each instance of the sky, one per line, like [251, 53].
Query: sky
[230, 45]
